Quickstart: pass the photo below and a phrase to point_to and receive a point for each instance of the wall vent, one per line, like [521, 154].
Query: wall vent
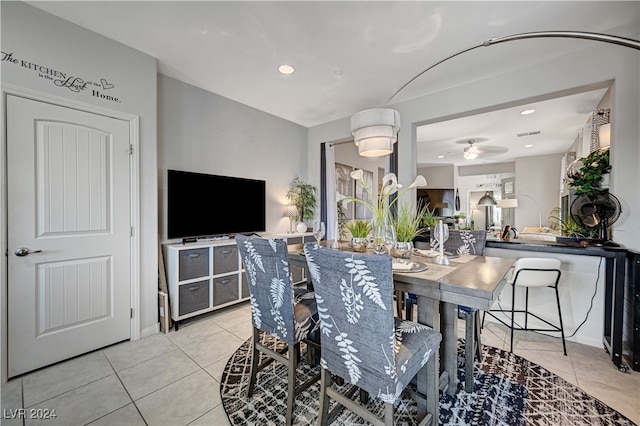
[535, 132]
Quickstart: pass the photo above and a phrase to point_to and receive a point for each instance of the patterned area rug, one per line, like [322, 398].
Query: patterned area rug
[509, 390]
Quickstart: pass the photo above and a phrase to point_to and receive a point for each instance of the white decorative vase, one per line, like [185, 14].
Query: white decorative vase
[301, 227]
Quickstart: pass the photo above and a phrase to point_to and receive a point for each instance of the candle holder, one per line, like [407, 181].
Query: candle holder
[441, 234]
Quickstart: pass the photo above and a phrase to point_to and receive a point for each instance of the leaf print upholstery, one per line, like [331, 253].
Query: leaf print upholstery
[361, 340]
[277, 308]
[466, 242]
[274, 304]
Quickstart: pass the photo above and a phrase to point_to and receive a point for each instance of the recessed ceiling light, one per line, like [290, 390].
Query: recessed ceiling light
[440, 156]
[528, 146]
[286, 69]
[527, 111]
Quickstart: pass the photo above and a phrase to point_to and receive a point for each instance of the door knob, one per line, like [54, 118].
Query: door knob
[23, 251]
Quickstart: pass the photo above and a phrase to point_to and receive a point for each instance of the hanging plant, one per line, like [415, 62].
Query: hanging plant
[588, 178]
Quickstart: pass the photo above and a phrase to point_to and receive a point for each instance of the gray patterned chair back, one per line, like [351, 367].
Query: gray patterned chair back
[360, 339]
[266, 262]
[466, 242]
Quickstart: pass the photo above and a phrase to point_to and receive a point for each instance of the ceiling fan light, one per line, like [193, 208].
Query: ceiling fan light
[375, 131]
[471, 152]
[470, 155]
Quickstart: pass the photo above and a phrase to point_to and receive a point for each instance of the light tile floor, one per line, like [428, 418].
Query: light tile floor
[174, 378]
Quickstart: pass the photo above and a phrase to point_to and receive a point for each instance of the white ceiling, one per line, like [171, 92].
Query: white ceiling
[558, 121]
[353, 55]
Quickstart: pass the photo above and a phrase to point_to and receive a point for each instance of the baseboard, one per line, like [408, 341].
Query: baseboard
[150, 331]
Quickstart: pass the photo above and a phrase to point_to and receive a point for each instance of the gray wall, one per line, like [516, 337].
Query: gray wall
[539, 178]
[200, 131]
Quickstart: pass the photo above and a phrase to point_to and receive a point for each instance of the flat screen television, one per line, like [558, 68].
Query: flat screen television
[203, 205]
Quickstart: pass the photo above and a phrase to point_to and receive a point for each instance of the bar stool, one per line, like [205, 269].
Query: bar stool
[531, 273]
[280, 310]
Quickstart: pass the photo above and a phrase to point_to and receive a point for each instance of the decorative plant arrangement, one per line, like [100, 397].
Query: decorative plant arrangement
[408, 226]
[359, 228]
[303, 196]
[569, 228]
[588, 178]
[382, 209]
[408, 221]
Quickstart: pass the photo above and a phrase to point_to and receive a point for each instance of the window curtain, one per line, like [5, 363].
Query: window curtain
[328, 184]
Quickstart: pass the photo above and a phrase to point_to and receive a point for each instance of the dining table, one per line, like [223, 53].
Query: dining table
[468, 280]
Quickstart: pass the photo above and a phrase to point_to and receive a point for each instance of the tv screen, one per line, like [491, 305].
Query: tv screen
[204, 205]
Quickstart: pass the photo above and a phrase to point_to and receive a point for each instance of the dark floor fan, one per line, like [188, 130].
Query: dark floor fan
[596, 211]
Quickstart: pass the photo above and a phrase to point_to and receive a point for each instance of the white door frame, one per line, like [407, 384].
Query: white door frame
[134, 137]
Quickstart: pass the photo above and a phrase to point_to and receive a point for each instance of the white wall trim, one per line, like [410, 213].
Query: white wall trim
[135, 241]
[150, 331]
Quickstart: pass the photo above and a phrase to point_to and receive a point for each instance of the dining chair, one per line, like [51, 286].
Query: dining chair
[362, 342]
[278, 309]
[532, 272]
[463, 242]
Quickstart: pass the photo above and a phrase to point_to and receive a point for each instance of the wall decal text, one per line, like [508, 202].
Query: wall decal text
[65, 80]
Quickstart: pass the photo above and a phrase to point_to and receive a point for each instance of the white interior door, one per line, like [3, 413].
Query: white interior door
[69, 275]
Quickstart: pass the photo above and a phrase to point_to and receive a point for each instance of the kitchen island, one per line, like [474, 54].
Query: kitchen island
[592, 293]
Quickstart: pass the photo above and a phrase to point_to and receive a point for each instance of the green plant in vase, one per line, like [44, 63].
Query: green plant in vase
[408, 224]
[568, 227]
[429, 219]
[381, 210]
[359, 230]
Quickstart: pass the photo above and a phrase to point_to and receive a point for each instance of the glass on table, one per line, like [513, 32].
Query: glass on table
[388, 237]
[318, 231]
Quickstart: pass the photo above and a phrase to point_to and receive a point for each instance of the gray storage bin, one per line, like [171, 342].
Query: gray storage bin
[294, 240]
[193, 297]
[193, 263]
[225, 259]
[225, 289]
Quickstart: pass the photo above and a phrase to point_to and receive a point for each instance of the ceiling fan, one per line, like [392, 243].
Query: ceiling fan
[471, 152]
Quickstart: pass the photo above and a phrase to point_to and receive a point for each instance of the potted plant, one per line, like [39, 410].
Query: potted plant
[460, 218]
[570, 230]
[408, 224]
[588, 178]
[359, 230]
[303, 196]
[429, 219]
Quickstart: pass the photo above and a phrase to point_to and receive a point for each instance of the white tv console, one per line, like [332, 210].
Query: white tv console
[207, 275]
